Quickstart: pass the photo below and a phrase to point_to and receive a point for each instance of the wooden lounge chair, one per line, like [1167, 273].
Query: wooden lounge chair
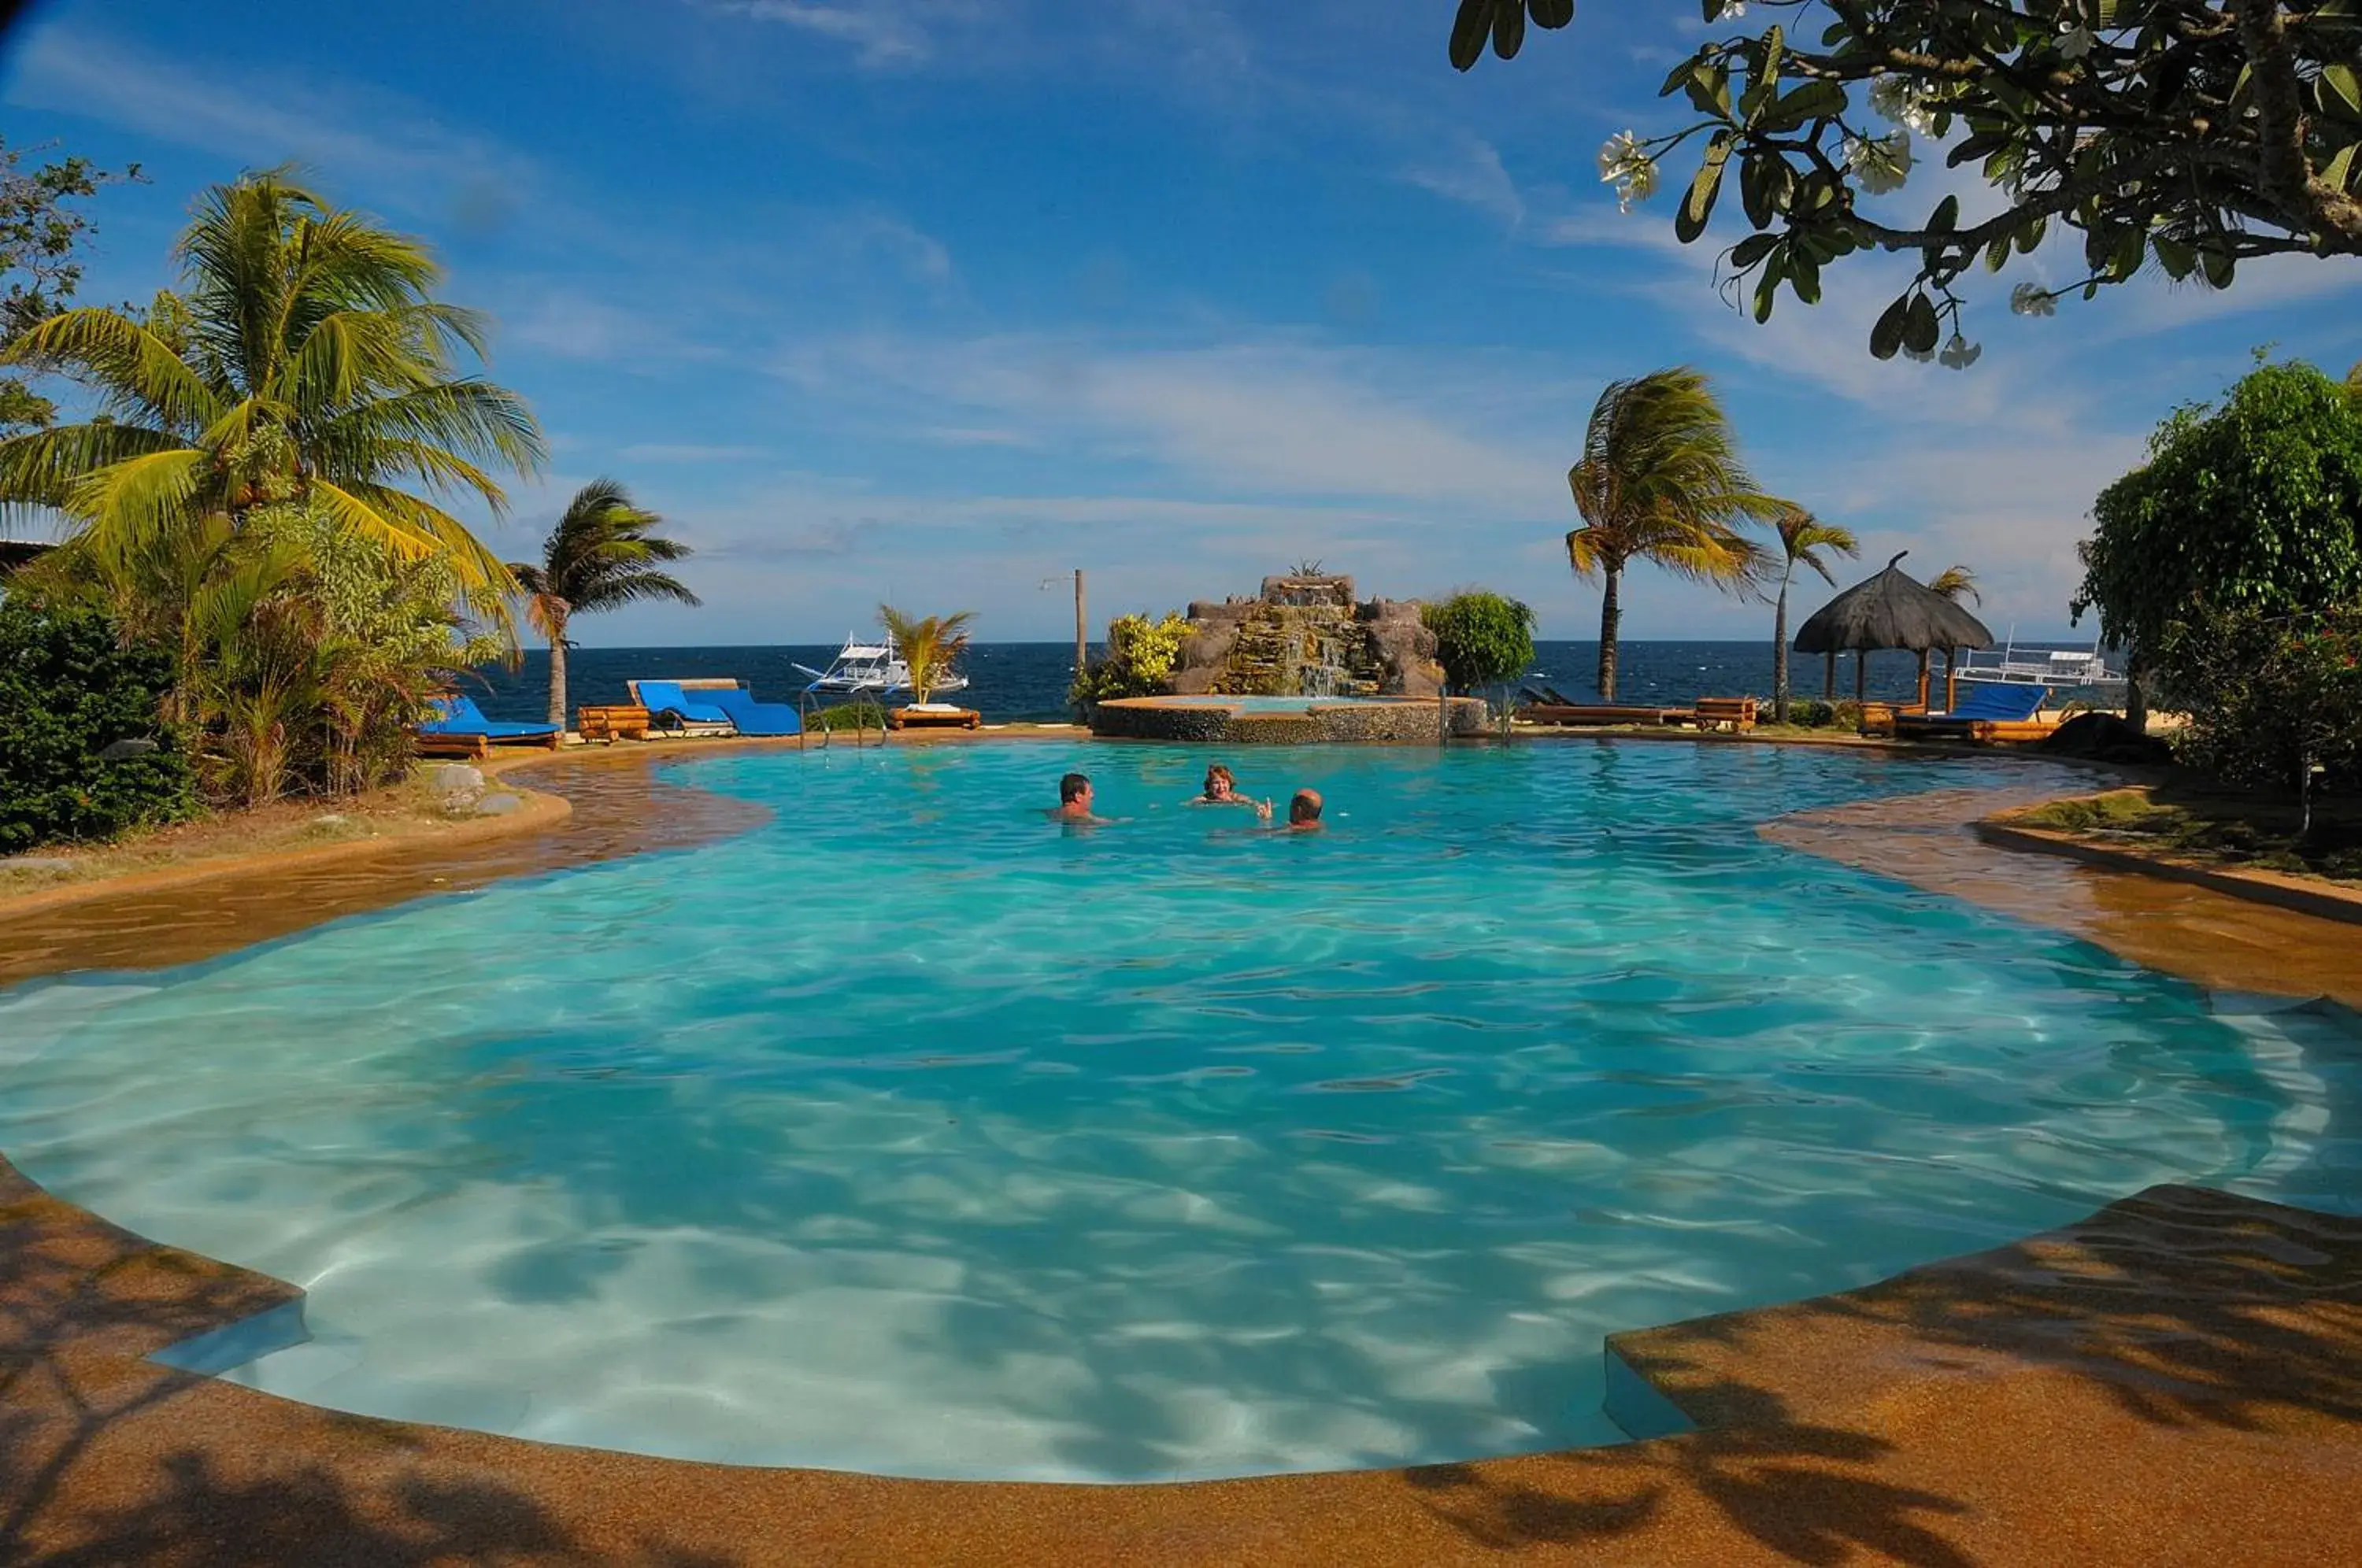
[460, 729]
[612, 721]
[1591, 715]
[933, 716]
[1738, 713]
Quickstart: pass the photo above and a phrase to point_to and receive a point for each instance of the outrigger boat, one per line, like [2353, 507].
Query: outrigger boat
[872, 669]
[2014, 666]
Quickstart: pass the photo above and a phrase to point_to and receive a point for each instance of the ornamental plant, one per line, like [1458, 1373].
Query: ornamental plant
[1141, 652]
[2273, 700]
[69, 691]
[1481, 637]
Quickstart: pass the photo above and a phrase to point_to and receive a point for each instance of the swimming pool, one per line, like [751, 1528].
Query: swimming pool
[912, 1133]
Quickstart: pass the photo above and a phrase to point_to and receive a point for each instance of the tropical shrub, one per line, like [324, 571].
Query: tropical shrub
[861, 713]
[1139, 660]
[1481, 638]
[2255, 506]
[2269, 697]
[69, 690]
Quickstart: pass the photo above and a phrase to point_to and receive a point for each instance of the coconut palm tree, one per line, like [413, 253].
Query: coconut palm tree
[303, 360]
[1660, 480]
[603, 555]
[928, 647]
[1802, 538]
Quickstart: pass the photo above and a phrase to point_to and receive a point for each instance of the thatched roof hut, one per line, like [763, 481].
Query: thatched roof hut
[1893, 609]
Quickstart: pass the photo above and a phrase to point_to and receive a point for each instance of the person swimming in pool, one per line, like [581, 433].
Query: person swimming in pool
[1221, 789]
[1074, 802]
[1303, 813]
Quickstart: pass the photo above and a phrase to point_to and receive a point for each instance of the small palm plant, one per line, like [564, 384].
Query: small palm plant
[1803, 537]
[1661, 480]
[603, 554]
[1954, 582]
[929, 646]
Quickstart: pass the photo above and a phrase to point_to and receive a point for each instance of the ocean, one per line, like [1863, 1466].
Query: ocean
[1018, 681]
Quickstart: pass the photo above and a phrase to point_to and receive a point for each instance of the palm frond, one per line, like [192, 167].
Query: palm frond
[1957, 583]
[127, 365]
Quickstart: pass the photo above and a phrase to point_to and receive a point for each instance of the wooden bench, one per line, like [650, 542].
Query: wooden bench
[935, 719]
[475, 748]
[612, 721]
[1572, 713]
[1715, 713]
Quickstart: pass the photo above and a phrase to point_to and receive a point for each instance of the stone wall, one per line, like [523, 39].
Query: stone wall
[1409, 721]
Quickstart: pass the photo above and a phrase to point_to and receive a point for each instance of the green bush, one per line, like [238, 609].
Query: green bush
[1481, 637]
[2254, 507]
[2270, 697]
[861, 715]
[1812, 713]
[67, 692]
[1139, 660]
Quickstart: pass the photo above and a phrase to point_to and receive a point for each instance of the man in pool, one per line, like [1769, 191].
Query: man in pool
[1303, 813]
[1074, 801]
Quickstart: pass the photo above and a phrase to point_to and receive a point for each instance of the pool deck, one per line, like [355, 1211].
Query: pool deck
[2176, 1379]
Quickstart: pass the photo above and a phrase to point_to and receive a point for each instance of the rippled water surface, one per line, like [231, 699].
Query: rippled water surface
[914, 1134]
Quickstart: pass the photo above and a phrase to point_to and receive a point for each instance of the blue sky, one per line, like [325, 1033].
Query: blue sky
[933, 300]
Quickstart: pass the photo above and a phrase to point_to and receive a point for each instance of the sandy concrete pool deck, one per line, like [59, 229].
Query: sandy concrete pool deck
[2176, 1379]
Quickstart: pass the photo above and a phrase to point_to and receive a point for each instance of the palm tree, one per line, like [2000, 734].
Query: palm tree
[1954, 582]
[928, 647]
[601, 555]
[1660, 480]
[302, 361]
[1801, 537]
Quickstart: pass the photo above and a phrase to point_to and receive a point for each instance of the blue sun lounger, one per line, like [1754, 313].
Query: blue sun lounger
[712, 707]
[460, 729]
[1987, 711]
[755, 718]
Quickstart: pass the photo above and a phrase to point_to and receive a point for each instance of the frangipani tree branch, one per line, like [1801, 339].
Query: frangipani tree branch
[2189, 134]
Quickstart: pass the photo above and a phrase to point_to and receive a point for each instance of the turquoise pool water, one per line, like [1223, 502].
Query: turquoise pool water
[914, 1134]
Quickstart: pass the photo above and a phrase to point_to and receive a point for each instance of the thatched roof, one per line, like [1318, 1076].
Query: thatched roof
[15, 553]
[1891, 611]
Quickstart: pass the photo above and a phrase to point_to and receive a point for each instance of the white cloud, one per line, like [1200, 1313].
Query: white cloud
[1240, 418]
[1469, 171]
[391, 145]
[878, 35]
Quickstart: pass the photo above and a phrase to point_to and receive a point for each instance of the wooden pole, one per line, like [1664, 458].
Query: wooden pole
[1082, 635]
[1860, 675]
[1830, 676]
[1924, 656]
[1951, 681]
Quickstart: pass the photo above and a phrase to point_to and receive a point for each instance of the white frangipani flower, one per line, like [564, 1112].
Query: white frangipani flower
[1881, 163]
[1626, 164]
[1897, 98]
[2075, 42]
[1959, 353]
[2032, 298]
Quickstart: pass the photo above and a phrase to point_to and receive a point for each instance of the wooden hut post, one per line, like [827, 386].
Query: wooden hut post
[1861, 675]
[1924, 654]
[1830, 676]
[1952, 680]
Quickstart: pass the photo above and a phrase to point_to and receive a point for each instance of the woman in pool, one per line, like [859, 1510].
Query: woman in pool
[1221, 789]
